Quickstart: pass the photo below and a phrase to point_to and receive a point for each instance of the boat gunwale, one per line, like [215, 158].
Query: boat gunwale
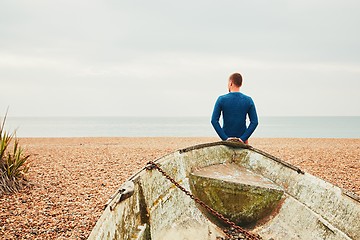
[234, 144]
[244, 146]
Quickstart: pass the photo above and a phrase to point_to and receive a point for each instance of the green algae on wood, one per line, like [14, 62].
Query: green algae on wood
[236, 193]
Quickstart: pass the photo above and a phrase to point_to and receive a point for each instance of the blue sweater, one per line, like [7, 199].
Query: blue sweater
[234, 108]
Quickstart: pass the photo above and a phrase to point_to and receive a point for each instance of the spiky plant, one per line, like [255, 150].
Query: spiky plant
[12, 162]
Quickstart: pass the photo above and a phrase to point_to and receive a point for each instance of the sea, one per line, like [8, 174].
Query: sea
[269, 127]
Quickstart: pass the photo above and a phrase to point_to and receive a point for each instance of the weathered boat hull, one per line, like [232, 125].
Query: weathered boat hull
[153, 208]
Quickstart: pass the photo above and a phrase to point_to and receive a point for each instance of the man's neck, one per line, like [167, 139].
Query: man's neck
[235, 90]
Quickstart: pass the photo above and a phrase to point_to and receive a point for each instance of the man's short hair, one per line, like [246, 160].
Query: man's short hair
[236, 78]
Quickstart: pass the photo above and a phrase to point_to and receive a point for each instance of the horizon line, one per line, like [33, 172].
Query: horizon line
[152, 116]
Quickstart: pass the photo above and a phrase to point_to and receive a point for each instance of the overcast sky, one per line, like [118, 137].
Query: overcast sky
[173, 58]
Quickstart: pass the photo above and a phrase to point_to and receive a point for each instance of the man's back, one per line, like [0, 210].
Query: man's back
[234, 106]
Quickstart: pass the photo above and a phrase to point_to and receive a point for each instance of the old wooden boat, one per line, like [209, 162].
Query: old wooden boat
[267, 197]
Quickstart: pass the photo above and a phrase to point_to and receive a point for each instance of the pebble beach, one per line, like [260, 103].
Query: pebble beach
[71, 179]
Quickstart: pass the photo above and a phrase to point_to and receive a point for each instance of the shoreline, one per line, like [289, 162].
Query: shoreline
[70, 179]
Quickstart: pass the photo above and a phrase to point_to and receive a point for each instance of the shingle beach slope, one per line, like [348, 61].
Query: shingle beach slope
[72, 178]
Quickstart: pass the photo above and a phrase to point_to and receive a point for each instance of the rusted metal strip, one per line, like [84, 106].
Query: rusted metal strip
[351, 195]
[298, 170]
[236, 144]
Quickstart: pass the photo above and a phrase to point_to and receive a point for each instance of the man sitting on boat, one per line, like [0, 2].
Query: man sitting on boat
[234, 107]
